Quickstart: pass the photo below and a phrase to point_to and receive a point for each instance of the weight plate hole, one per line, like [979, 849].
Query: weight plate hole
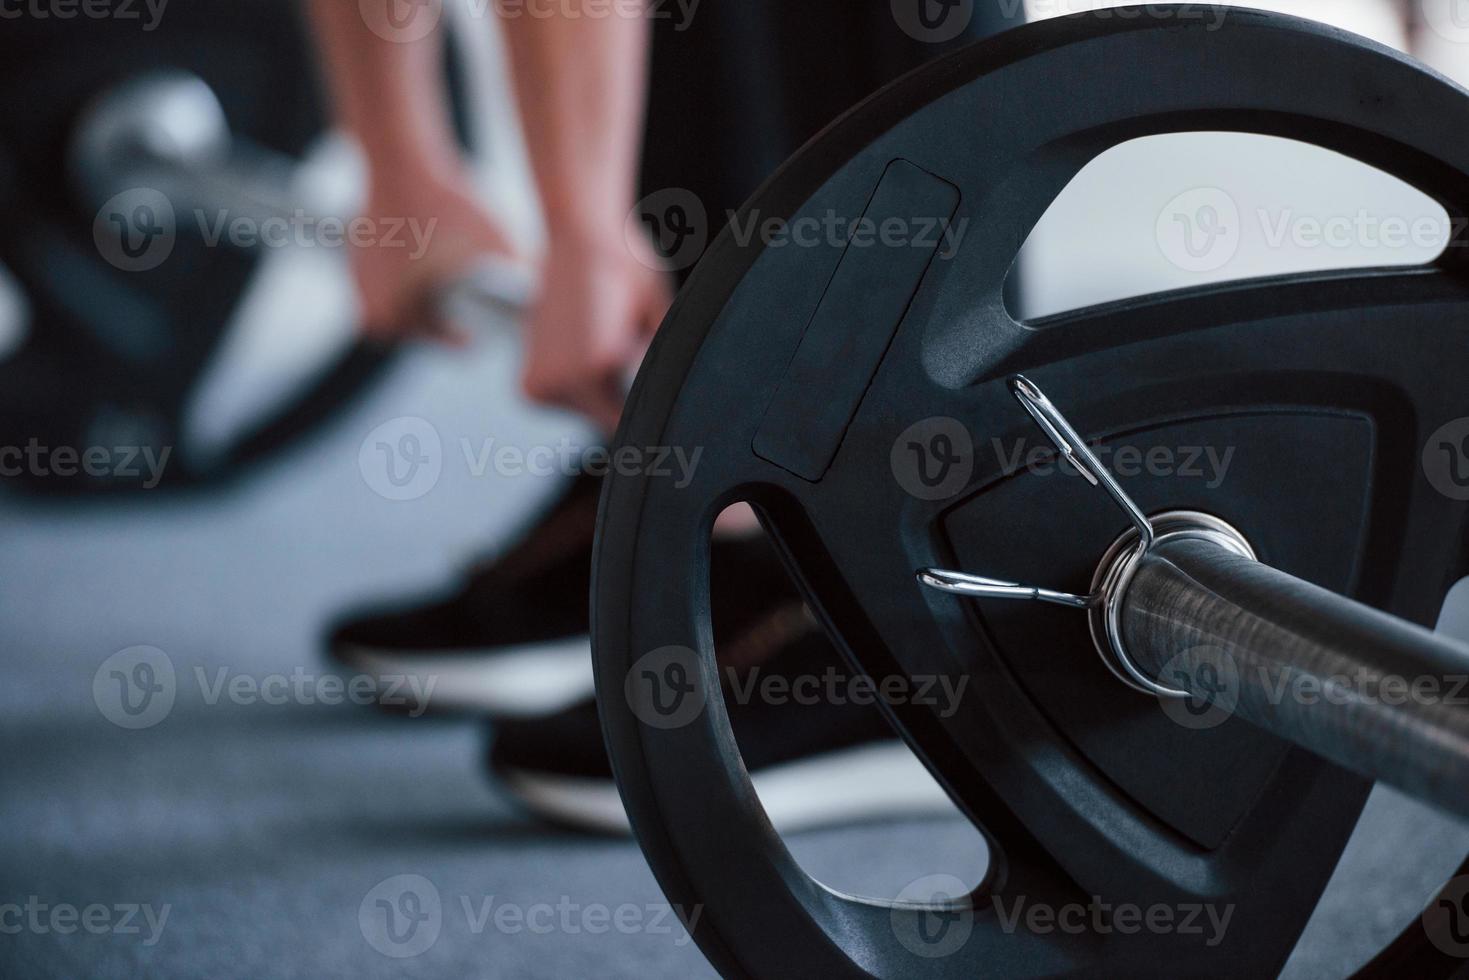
[832, 775]
[1184, 210]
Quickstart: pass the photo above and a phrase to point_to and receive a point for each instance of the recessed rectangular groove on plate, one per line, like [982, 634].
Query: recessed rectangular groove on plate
[847, 336]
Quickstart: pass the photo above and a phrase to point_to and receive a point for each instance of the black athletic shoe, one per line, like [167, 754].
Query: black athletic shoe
[814, 762]
[513, 640]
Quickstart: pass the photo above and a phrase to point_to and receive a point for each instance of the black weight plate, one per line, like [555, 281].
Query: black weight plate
[113, 356]
[797, 369]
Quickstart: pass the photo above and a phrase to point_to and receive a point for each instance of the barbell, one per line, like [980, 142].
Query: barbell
[1191, 706]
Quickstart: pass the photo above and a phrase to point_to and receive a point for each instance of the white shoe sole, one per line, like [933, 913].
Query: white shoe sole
[514, 682]
[867, 782]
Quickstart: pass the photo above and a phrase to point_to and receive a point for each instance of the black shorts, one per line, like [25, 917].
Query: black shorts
[742, 84]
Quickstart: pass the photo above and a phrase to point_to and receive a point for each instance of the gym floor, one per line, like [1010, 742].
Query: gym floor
[262, 829]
